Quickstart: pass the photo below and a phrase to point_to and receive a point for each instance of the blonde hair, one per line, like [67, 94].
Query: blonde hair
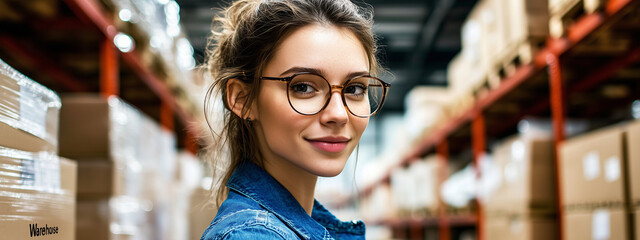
[244, 38]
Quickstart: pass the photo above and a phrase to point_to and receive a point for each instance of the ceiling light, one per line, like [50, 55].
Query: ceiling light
[124, 42]
[125, 14]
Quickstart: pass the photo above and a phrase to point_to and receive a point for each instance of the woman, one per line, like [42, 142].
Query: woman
[296, 77]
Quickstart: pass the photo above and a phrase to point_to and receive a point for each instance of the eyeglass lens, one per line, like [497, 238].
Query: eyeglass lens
[309, 93]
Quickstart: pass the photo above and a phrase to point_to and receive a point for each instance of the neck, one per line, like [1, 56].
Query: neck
[300, 183]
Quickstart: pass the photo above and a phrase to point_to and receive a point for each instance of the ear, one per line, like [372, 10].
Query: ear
[237, 95]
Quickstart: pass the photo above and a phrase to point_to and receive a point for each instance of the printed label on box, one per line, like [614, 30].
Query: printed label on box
[612, 169]
[41, 173]
[591, 165]
[600, 225]
[38, 231]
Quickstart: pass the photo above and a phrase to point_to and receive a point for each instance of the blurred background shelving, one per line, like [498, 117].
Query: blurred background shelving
[487, 133]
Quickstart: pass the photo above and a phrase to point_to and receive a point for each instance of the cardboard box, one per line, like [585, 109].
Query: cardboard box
[425, 174]
[525, 19]
[493, 21]
[99, 179]
[92, 127]
[93, 219]
[597, 224]
[37, 199]
[115, 218]
[593, 169]
[18, 139]
[85, 127]
[520, 228]
[28, 113]
[526, 184]
[95, 129]
[633, 154]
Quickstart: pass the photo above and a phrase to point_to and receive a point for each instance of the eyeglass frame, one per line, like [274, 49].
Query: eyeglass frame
[385, 87]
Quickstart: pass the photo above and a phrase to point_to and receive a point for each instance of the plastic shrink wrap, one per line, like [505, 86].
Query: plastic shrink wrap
[37, 195]
[28, 113]
[127, 164]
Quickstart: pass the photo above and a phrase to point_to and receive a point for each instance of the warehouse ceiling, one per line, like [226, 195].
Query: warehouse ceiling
[417, 38]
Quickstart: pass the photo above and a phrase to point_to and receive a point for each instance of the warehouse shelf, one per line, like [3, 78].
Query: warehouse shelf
[414, 228]
[553, 90]
[72, 50]
[429, 222]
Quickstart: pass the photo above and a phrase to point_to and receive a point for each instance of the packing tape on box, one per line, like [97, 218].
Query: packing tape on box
[27, 105]
[29, 183]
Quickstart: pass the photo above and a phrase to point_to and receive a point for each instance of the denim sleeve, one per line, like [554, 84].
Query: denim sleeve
[253, 232]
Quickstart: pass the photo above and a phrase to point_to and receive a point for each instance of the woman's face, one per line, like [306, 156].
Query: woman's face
[319, 144]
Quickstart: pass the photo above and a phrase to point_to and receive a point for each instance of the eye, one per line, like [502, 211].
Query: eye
[302, 88]
[355, 89]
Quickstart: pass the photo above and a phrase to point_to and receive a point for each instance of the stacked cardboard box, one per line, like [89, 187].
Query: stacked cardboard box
[427, 109]
[523, 202]
[414, 189]
[497, 37]
[565, 12]
[126, 164]
[468, 70]
[37, 190]
[378, 206]
[594, 185]
[37, 197]
[526, 31]
[29, 113]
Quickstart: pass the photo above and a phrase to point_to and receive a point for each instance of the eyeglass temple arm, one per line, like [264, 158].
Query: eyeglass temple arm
[284, 79]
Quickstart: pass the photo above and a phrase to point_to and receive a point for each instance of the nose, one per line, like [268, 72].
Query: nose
[335, 113]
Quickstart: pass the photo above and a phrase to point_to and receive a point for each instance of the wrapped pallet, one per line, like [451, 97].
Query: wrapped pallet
[461, 72]
[468, 72]
[566, 12]
[526, 32]
[595, 184]
[29, 113]
[427, 109]
[126, 164]
[37, 195]
[37, 188]
[522, 205]
[425, 175]
[526, 166]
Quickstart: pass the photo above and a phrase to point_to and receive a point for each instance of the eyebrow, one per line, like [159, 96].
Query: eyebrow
[318, 71]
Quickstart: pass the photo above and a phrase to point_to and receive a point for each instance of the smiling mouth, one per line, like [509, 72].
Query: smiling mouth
[330, 144]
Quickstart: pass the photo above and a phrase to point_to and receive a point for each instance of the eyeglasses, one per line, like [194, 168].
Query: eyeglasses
[310, 93]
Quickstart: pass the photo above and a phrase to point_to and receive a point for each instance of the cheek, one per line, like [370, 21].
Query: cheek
[359, 125]
[280, 122]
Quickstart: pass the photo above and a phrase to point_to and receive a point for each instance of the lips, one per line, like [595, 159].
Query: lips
[330, 144]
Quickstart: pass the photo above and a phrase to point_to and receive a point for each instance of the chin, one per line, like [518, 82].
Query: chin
[328, 167]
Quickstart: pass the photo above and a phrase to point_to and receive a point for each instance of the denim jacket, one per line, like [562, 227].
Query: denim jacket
[259, 207]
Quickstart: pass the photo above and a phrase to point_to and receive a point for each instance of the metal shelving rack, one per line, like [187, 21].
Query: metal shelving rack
[88, 17]
[547, 69]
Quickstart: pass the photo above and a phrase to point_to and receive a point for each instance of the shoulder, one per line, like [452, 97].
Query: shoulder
[248, 224]
[242, 221]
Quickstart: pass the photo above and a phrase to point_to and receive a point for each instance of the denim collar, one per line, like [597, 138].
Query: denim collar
[253, 182]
